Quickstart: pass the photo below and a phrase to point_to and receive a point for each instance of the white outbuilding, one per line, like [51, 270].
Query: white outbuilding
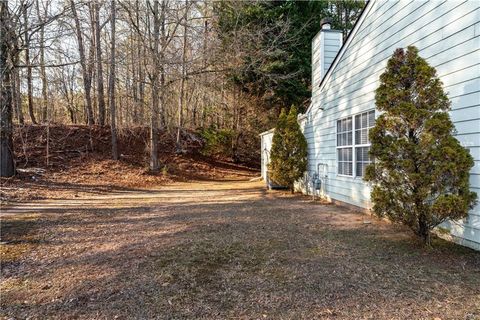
[266, 144]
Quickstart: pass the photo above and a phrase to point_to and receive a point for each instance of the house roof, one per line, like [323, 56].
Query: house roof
[344, 47]
[267, 132]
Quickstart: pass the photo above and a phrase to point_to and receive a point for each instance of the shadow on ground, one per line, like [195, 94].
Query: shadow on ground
[225, 250]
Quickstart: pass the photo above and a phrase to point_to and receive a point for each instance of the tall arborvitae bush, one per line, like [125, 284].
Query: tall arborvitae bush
[288, 160]
[420, 173]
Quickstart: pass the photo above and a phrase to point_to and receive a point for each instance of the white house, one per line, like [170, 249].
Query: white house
[336, 124]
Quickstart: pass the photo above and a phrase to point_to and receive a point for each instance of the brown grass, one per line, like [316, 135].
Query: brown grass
[221, 250]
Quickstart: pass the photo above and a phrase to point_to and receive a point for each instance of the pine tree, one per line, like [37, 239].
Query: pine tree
[289, 150]
[278, 152]
[420, 174]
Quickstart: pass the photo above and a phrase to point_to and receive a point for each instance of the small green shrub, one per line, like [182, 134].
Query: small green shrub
[217, 141]
[165, 171]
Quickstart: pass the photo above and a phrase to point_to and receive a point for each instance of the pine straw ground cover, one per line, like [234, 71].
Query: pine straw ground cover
[221, 250]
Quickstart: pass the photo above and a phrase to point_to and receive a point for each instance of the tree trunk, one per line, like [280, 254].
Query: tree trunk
[181, 94]
[17, 95]
[163, 121]
[134, 87]
[111, 86]
[424, 231]
[100, 91]
[204, 76]
[87, 81]
[7, 164]
[29, 69]
[141, 85]
[141, 71]
[91, 70]
[154, 163]
[43, 73]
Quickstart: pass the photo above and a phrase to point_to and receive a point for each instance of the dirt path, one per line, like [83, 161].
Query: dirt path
[223, 250]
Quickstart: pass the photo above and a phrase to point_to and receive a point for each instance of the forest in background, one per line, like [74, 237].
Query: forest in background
[218, 69]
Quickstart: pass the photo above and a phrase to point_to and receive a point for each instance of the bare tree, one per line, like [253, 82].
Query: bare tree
[181, 95]
[87, 79]
[141, 69]
[162, 67]
[17, 95]
[111, 85]
[98, 47]
[7, 165]
[153, 74]
[28, 66]
[43, 73]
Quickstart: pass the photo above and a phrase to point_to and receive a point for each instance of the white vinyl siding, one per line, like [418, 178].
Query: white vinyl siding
[447, 34]
[325, 46]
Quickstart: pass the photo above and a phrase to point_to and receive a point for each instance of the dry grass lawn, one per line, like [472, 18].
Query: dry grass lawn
[221, 250]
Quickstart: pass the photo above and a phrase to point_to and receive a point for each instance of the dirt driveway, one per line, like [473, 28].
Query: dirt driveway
[221, 250]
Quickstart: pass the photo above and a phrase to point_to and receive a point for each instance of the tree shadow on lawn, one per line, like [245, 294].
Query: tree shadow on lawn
[46, 189]
[278, 257]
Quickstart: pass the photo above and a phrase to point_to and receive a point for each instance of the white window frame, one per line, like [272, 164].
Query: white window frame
[353, 146]
[350, 146]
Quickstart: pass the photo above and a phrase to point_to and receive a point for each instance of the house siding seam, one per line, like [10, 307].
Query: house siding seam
[447, 35]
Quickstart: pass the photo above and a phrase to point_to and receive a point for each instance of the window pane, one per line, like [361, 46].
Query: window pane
[366, 154]
[371, 118]
[362, 159]
[362, 154]
[348, 154]
[363, 135]
[358, 155]
[360, 168]
[349, 124]
[349, 168]
[344, 132]
[364, 120]
[357, 121]
[345, 163]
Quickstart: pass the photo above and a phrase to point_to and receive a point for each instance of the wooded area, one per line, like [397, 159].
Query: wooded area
[226, 67]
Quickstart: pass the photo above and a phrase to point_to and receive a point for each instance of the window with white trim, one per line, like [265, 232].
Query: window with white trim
[344, 146]
[353, 144]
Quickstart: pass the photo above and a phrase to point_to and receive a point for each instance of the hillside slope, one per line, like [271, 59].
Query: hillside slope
[79, 162]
